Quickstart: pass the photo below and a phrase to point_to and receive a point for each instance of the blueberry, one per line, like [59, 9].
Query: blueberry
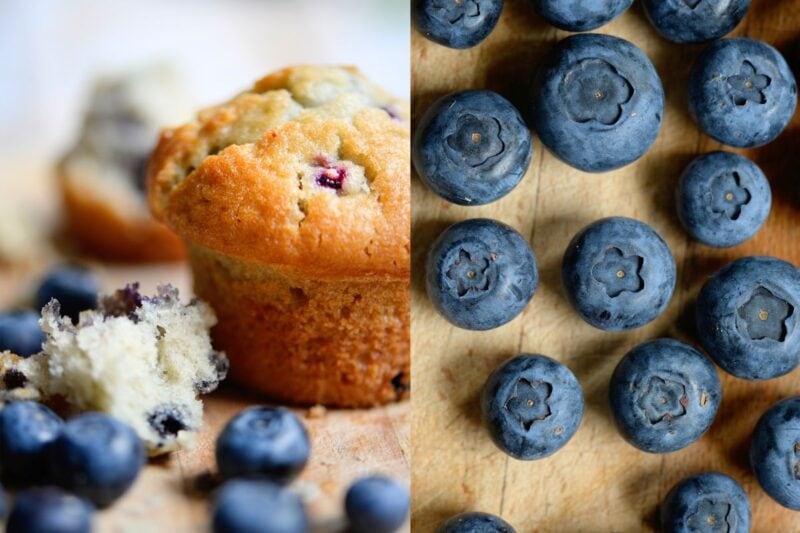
[747, 317]
[26, 431]
[471, 147]
[20, 333]
[695, 21]
[475, 523]
[664, 395]
[74, 287]
[268, 442]
[376, 504]
[775, 452]
[741, 92]
[258, 506]
[456, 23]
[706, 503]
[597, 102]
[49, 510]
[532, 406]
[480, 274]
[581, 15]
[96, 457]
[723, 199]
[618, 274]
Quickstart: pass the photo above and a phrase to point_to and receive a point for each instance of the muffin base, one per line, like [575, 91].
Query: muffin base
[341, 343]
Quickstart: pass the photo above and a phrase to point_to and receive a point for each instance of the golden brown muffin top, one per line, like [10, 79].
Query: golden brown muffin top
[308, 170]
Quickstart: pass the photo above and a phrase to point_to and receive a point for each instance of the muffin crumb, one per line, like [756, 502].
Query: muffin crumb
[143, 359]
[316, 412]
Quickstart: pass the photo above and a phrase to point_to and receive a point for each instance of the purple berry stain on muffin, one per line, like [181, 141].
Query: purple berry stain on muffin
[392, 112]
[331, 176]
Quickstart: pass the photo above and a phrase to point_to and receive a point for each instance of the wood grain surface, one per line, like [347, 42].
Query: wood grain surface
[597, 483]
[172, 494]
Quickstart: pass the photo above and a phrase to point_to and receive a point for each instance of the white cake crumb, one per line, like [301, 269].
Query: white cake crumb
[316, 411]
[141, 359]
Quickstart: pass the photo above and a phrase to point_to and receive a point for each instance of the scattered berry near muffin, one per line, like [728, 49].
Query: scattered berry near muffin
[102, 178]
[294, 201]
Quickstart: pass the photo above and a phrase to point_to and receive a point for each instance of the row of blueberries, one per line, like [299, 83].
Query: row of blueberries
[465, 23]
[597, 103]
[619, 274]
[65, 469]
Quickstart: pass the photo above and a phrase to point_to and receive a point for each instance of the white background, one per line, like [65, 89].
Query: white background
[51, 50]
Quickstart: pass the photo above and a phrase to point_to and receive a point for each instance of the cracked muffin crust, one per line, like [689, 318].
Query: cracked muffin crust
[102, 178]
[294, 201]
[144, 360]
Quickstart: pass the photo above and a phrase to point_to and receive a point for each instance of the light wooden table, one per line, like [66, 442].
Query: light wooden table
[346, 444]
[597, 483]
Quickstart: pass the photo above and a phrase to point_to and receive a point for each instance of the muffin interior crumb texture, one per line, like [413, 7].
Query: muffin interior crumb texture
[141, 359]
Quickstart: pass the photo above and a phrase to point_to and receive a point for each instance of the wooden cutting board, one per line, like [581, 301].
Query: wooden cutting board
[597, 483]
[171, 494]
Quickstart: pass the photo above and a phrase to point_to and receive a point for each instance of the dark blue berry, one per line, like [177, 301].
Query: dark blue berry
[26, 431]
[480, 274]
[96, 457]
[664, 395]
[723, 199]
[742, 92]
[74, 287]
[475, 523]
[618, 274]
[258, 506]
[456, 23]
[49, 510]
[597, 102]
[775, 452]
[706, 503]
[747, 317]
[584, 15]
[269, 442]
[376, 504]
[20, 333]
[532, 406]
[695, 21]
[471, 147]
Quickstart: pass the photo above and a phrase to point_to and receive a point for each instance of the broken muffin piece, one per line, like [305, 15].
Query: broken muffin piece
[144, 360]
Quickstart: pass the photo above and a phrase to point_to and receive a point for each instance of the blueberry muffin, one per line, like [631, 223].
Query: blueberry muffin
[144, 360]
[102, 178]
[294, 201]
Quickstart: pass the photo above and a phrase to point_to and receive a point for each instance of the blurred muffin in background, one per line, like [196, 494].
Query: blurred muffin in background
[102, 178]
